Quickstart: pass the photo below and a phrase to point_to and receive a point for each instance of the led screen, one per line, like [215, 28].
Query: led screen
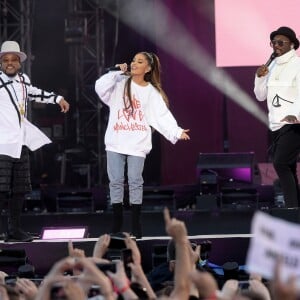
[243, 28]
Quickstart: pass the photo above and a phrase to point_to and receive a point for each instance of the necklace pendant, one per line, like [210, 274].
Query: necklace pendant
[22, 110]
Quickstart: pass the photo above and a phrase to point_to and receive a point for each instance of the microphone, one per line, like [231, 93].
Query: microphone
[117, 68]
[114, 68]
[272, 57]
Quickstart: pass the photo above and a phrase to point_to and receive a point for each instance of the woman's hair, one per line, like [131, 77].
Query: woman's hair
[153, 76]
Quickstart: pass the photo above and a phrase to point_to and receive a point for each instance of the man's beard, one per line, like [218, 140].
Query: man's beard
[11, 74]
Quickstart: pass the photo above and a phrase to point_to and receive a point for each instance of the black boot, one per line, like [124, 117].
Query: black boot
[136, 225]
[117, 217]
[14, 232]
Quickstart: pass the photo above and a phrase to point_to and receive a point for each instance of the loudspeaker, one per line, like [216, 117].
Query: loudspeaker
[13, 257]
[75, 201]
[238, 167]
[156, 198]
[246, 197]
[287, 214]
[206, 202]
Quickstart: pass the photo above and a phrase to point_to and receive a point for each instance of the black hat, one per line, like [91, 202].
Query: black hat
[289, 33]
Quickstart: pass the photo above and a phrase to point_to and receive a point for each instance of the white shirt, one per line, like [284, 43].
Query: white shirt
[15, 129]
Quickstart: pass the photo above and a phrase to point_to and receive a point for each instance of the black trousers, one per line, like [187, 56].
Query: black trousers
[285, 151]
[15, 173]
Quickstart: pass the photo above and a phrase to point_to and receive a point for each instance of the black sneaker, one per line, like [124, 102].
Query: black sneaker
[18, 236]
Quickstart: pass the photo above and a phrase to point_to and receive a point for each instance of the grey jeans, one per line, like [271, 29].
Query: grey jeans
[116, 173]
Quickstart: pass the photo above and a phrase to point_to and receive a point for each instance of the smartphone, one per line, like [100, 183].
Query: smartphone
[117, 241]
[57, 291]
[37, 281]
[126, 257]
[243, 284]
[94, 291]
[10, 280]
[107, 267]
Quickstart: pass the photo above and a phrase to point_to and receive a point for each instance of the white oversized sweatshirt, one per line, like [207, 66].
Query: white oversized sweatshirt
[130, 132]
[281, 88]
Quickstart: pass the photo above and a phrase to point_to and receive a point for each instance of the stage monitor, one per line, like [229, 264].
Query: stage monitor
[53, 233]
[227, 167]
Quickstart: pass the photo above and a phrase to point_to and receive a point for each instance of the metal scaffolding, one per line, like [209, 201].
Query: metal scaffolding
[15, 24]
[84, 33]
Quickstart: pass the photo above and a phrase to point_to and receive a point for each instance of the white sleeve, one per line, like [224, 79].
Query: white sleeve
[260, 88]
[105, 84]
[160, 118]
[39, 95]
[295, 107]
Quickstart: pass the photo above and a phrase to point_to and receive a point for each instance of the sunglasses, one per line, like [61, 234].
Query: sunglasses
[280, 43]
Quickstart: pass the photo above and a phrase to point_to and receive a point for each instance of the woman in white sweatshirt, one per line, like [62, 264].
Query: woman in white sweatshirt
[137, 104]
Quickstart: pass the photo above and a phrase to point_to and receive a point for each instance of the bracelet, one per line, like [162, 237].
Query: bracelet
[212, 297]
[215, 295]
[124, 289]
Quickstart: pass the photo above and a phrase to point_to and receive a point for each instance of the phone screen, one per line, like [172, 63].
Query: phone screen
[243, 284]
[117, 243]
[126, 257]
[10, 280]
[107, 267]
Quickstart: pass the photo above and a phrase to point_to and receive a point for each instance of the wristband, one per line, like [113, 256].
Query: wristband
[124, 289]
[215, 295]
[212, 297]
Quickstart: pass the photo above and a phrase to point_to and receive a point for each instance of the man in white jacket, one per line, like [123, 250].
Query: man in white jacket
[17, 134]
[279, 83]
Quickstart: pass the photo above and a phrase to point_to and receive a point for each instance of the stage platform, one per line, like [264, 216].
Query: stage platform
[42, 254]
[198, 222]
[228, 231]
[228, 227]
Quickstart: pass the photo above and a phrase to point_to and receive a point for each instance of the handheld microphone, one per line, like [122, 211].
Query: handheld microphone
[114, 68]
[117, 68]
[272, 57]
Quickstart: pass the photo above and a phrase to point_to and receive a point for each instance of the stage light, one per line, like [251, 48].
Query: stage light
[51, 233]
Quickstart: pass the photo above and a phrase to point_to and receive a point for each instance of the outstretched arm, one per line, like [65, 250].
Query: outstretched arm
[177, 230]
[64, 105]
[184, 135]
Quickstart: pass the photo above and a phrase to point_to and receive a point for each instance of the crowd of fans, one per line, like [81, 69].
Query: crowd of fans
[79, 277]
